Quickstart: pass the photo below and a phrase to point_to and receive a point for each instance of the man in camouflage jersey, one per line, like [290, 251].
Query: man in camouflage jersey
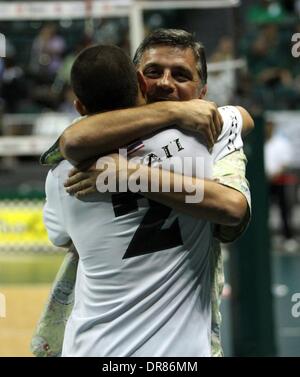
[229, 171]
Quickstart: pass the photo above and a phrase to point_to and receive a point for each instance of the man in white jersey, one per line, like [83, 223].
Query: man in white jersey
[185, 236]
[79, 143]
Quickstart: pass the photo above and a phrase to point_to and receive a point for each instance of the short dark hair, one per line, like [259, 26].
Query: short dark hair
[176, 38]
[104, 78]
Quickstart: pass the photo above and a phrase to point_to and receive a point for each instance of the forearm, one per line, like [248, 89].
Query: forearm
[102, 133]
[248, 123]
[218, 204]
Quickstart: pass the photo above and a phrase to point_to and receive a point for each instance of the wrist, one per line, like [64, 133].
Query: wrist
[168, 112]
[174, 110]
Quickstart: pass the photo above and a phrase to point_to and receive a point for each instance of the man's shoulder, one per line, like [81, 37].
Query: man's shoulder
[232, 118]
[230, 138]
[53, 156]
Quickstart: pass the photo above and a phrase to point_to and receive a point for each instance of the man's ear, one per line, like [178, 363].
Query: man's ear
[203, 92]
[80, 107]
[142, 83]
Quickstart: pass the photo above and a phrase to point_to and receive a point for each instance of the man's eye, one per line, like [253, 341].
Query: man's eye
[151, 73]
[181, 78]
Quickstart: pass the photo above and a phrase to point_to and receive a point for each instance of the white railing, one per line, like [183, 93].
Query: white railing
[24, 145]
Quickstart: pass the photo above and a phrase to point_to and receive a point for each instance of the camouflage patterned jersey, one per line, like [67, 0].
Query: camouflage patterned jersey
[229, 171]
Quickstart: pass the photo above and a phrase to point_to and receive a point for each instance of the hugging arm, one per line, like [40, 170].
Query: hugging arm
[222, 203]
[196, 197]
[219, 204]
[103, 133]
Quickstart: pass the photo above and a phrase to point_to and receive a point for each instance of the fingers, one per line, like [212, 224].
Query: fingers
[73, 172]
[209, 122]
[214, 129]
[217, 124]
[74, 189]
[85, 192]
[210, 139]
[75, 178]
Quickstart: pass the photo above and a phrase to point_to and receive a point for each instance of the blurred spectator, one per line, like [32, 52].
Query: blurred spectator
[269, 65]
[246, 94]
[47, 50]
[265, 55]
[113, 31]
[278, 157]
[266, 11]
[221, 83]
[13, 88]
[224, 50]
[10, 53]
[62, 77]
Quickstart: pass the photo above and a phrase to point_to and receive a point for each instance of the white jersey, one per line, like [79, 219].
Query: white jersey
[143, 280]
[278, 155]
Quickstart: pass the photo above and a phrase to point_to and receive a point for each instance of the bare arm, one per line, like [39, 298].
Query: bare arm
[248, 123]
[103, 133]
[220, 204]
[210, 200]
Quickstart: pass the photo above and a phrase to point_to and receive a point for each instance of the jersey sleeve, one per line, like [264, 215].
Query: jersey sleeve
[52, 213]
[230, 139]
[231, 171]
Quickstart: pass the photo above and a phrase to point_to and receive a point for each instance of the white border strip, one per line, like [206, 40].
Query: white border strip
[50, 10]
[24, 145]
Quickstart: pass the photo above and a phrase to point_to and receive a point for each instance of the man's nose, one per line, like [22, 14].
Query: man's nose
[166, 82]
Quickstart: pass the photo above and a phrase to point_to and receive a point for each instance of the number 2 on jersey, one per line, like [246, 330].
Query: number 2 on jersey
[149, 236]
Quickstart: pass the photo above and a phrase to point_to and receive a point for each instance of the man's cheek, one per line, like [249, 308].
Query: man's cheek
[185, 95]
[150, 87]
[151, 93]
